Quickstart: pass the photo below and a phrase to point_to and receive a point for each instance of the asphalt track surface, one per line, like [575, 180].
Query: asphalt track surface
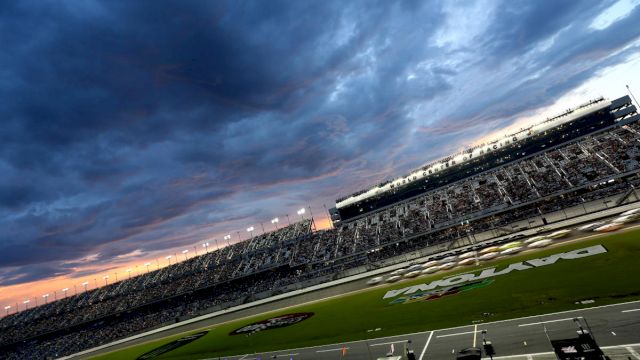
[615, 327]
[507, 339]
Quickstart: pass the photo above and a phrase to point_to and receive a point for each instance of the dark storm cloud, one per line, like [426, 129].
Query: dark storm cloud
[133, 127]
[573, 53]
[520, 25]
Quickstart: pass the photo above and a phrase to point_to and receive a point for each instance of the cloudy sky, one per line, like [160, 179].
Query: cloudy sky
[132, 130]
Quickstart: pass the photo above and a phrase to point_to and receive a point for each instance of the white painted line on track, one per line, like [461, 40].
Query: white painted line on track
[633, 352]
[244, 356]
[630, 310]
[528, 356]
[462, 333]
[339, 349]
[549, 321]
[426, 345]
[475, 334]
[296, 354]
[390, 342]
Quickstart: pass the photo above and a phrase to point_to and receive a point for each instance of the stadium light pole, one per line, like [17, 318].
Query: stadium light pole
[288, 222]
[275, 221]
[328, 214]
[45, 297]
[238, 232]
[262, 226]
[6, 308]
[217, 245]
[26, 304]
[195, 249]
[630, 93]
[311, 215]
[147, 265]
[301, 213]
[169, 258]
[206, 247]
[85, 285]
[106, 279]
[75, 289]
[116, 275]
[184, 252]
[128, 273]
[64, 291]
[250, 231]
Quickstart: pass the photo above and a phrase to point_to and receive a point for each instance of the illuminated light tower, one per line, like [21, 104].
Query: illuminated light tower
[85, 285]
[184, 252]
[26, 304]
[228, 237]
[206, 247]
[169, 258]
[275, 222]
[147, 265]
[250, 230]
[301, 213]
[129, 272]
[64, 291]
[106, 279]
[6, 308]
[45, 297]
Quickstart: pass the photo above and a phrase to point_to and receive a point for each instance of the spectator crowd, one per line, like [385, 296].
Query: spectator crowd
[574, 173]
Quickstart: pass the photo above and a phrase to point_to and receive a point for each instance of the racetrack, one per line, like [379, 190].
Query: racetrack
[418, 339]
[612, 325]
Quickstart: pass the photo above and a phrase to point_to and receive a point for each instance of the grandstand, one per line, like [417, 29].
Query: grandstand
[579, 158]
[590, 118]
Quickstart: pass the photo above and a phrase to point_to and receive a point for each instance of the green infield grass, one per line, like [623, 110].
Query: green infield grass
[606, 278]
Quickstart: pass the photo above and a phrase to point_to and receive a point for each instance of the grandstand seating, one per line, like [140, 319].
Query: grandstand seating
[593, 167]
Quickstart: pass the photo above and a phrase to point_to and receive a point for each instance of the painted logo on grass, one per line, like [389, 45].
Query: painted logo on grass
[440, 293]
[494, 272]
[273, 323]
[171, 346]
